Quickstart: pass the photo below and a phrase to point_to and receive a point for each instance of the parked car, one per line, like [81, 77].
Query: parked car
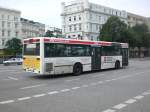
[17, 61]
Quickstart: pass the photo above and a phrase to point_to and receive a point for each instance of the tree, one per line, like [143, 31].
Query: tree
[140, 34]
[49, 34]
[113, 30]
[142, 37]
[14, 46]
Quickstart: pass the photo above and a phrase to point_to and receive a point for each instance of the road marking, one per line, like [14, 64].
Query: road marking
[100, 82]
[65, 90]
[72, 80]
[6, 102]
[94, 84]
[114, 79]
[39, 95]
[109, 110]
[12, 78]
[75, 88]
[108, 80]
[130, 101]
[119, 106]
[24, 98]
[53, 92]
[139, 97]
[29, 87]
[146, 93]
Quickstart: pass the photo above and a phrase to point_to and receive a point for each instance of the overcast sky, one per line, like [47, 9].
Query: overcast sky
[48, 11]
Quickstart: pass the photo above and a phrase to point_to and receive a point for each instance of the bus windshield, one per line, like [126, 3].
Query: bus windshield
[32, 49]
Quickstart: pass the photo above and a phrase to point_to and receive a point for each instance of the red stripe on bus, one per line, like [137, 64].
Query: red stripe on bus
[31, 41]
[102, 43]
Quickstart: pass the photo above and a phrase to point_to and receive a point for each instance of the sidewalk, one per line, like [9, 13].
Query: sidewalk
[140, 59]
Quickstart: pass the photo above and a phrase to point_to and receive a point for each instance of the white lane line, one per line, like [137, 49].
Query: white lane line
[139, 97]
[130, 101]
[6, 102]
[75, 88]
[53, 92]
[65, 90]
[39, 95]
[109, 110]
[94, 84]
[72, 80]
[12, 78]
[84, 86]
[113, 79]
[100, 82]
[108, 80]
[24, 98]
[119, 106]
[34, 86]
[146, 93]
[98, 75]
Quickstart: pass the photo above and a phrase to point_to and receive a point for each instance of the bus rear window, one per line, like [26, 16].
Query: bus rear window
[32, 49]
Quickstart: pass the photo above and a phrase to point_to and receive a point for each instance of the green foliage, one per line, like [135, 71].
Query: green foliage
[113, 30]
[116, 30]
[49, 34]
[14, 46]
[141, 35]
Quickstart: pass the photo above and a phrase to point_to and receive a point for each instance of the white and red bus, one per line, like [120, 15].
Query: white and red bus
[45, 55]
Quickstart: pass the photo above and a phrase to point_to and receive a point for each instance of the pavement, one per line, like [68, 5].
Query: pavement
[123, 90]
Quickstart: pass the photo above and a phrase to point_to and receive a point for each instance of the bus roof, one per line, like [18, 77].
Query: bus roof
[73, 41]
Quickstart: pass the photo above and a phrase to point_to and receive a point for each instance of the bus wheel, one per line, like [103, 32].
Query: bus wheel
[77, 69]
[117, 65]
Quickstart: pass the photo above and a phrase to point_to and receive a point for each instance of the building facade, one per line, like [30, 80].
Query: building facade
[148, 23]
[31, 29]
[134, 19]
[83, 20]
[10, 25]
[55, 31]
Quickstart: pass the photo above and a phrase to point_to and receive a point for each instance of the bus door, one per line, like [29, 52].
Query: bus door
[125, 56]
[96, 57]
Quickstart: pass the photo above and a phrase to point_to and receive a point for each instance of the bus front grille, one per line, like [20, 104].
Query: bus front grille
[48, 67]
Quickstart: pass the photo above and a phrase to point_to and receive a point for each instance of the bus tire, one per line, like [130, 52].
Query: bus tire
[77, 69]
[117, 65]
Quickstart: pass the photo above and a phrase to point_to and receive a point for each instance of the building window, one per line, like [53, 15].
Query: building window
[80, 27]
[74, 18]
[16, 25]
[90, 16]
[3, 24]
[8, 33]
[91, 37]
[15, 18]
[3, 42]
[3, 33]
[79, 17]
[99, 18]
[2, 16]
[69, 36]
[97, 27]
[70, 28]
[75, 27]
[69, 18]
[16, 34]
[104, 10]
[8, 24]
[8, 17]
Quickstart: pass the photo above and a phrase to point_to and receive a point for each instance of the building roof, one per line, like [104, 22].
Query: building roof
[9, 9]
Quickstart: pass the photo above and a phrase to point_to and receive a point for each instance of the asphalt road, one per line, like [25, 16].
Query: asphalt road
[123, 90]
